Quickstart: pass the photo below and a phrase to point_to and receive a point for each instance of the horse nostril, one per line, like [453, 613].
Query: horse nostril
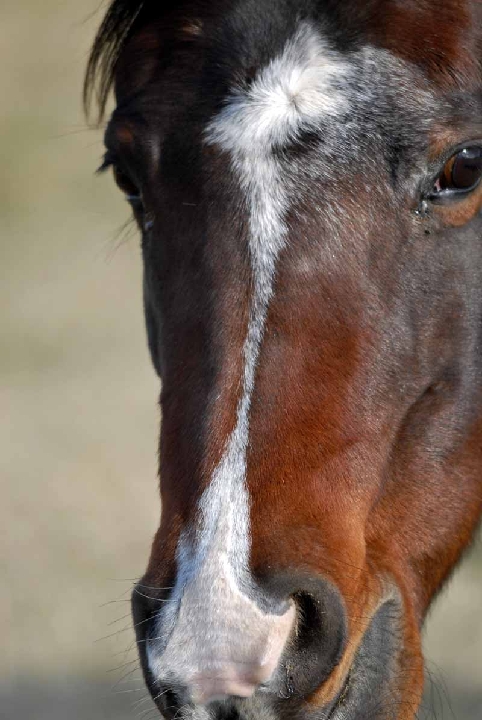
[310, 620]
[319, 641]
[169, 703]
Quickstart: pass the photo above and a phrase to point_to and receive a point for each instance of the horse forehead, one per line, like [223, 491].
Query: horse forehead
[439, 40]
[308, 89]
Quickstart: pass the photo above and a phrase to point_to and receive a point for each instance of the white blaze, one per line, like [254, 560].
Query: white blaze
[291, 94]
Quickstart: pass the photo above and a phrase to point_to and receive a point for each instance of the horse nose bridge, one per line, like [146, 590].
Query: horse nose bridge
[220, 641]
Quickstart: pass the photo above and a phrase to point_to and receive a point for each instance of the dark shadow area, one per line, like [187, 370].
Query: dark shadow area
[88, 700]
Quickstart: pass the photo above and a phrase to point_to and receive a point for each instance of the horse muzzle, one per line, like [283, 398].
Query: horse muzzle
[265, 654]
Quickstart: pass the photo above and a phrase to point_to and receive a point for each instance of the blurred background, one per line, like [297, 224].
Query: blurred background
[79, 408]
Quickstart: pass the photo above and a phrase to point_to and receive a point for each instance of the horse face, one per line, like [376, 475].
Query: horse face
[307, 186]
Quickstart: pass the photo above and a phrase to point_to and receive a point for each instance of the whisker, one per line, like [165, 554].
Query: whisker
[124, 617]
[122, 580]
[121, 667]
[144, 715]
[114, 634]
[149, 597]
[120, 598]
[148, 697]
[128, 674]
[124, 692]
[153, 587]
[124, 652]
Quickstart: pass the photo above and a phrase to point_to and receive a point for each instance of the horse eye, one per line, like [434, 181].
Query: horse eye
[127, 186]
[461, 174]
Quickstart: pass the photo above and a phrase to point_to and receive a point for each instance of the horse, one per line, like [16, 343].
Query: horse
[306, 178]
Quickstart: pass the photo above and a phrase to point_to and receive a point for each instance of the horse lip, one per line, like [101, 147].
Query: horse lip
[363, 680]
[337, 704]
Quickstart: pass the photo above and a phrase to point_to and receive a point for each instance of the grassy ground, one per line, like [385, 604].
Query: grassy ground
[78, 399]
